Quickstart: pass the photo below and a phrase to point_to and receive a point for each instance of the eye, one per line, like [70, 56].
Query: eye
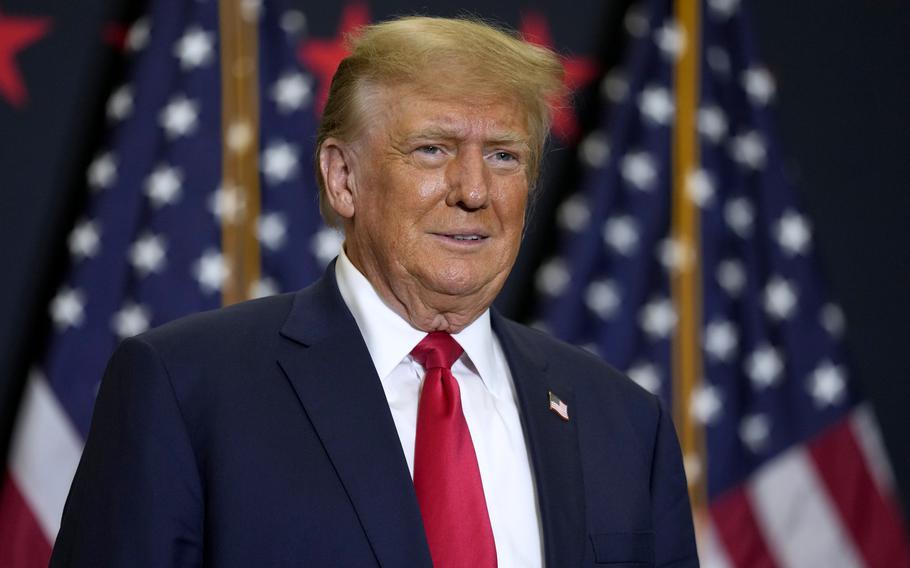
[505, 156]
[430, 150]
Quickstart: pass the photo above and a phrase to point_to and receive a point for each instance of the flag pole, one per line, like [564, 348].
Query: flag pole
[240, 142]
[686, 278]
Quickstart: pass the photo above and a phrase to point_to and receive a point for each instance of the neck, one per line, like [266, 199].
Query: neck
[425, 309]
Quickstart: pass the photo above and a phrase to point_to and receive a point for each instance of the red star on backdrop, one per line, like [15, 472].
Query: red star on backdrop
[15, 35]
[322, 56]
[579, 71]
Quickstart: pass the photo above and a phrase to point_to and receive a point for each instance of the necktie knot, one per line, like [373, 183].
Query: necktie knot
[437, 350]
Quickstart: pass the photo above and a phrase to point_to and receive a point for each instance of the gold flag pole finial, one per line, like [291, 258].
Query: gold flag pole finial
[240, 143]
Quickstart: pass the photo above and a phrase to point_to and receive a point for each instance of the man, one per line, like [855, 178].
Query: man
[385, 416]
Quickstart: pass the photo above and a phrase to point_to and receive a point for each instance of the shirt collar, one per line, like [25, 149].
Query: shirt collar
[390, 338]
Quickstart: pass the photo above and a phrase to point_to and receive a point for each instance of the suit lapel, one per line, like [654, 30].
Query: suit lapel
[553, 445]
[330, 369]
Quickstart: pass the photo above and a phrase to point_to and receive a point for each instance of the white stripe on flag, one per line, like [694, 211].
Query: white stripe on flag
[798, 520]
[711, 553]
[44, 453]
[865, 430]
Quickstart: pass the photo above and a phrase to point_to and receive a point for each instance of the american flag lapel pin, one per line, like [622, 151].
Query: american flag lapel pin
[558, 406]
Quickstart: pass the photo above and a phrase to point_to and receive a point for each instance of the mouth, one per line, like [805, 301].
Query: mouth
[463, 237]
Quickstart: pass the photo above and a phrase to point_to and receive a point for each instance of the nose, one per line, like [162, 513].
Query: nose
[469, 180]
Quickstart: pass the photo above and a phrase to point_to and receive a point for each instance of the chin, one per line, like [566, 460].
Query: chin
[460, 283]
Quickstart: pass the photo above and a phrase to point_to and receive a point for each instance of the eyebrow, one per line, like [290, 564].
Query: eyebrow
[437, 133]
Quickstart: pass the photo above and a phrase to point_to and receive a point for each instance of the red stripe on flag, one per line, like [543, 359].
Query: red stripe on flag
[22, 543]
[739, 532]
[873, 521]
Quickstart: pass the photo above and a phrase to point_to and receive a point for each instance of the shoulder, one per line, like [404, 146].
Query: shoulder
[222, 334]
[244, 319]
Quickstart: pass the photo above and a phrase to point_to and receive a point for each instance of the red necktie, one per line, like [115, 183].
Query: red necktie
[446, 477]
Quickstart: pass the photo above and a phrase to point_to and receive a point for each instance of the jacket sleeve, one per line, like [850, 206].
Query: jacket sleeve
[674, 535]
[136, 499]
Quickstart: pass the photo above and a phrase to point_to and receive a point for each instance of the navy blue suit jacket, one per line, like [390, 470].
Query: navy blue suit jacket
[259, 435]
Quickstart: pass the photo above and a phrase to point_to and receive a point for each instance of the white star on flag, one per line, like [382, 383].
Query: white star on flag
[251, 10]
[749, 150]
[272, 230]
[138, 35]
[239, 136]
[226, 204]
[264, 287]
[712, 124]
[614, 87]
[646, 376]
[833, 320]
[658, 318]
[132, 319]
[723, 8]
[739, 216]
[279, 162]
[68, 308]
[102, 172]
[636, 20]
[291, 92]
[754, 430]
[163, 185]
[85, 239]
[638, 169]
[552, 277]
[793, 233]
[780, 298]
[147, 254]
[764, 367]
[574, 213]
[671, 39]
[700, 187]
[179, 117]
[195, 48]
[210, 270]
[621, 234]
[594, 149]
[326, 244]
[602, 297]
[718, 60]
[828, 384]
[120, 103]
[656, 105]
[706, 405]
[731, 276]
[720, 340]
[675, 254]
[759, 85]
[293, 22]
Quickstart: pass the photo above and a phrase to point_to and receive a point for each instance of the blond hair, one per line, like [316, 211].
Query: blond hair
[460, 56]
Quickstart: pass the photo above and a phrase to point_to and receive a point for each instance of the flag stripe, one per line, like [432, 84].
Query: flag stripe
[738, 530]
[22, 542]
[711, 553]
[796, 515]
[871, 520]
[44, 454]
[867, 435]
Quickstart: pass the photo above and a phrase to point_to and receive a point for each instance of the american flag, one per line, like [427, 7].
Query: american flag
[791, 465]
[148, 247]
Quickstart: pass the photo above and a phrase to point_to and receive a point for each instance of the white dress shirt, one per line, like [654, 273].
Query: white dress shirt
[487, 397]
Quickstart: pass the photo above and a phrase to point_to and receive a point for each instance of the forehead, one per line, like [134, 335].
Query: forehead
[405, 110]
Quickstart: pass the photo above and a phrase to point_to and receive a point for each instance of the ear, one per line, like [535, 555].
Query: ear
[336, 165]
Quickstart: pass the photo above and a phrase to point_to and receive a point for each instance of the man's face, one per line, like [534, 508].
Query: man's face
[439, 190]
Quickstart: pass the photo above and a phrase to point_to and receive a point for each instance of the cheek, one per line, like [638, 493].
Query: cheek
[511, 204]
